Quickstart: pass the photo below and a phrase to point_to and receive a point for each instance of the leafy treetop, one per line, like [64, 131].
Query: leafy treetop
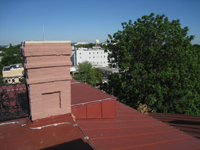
[88, 74]
[89, 45]
[10, 55]
[159, 66]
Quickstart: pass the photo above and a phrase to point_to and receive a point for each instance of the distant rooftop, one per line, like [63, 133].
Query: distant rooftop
[111, 70]
[6, 46]
[13, 66]
[91, 49]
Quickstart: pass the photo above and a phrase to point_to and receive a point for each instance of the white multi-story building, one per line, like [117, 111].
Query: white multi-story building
[97, 57]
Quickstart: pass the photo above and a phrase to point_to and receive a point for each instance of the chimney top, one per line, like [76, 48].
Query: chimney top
[37, 42]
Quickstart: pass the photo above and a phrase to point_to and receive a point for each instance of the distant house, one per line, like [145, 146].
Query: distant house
[11, 71]
[6, 46]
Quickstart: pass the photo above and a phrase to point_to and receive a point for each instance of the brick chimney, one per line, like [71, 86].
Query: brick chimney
[47, 65]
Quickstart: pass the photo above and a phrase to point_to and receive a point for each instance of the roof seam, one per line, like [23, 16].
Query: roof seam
[113, 137]
[126, 127]
[153, 143]
[194, 148]
[131, 115]
[152, 119]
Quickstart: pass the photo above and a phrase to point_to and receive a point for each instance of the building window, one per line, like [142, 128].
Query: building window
[104, 56]
[101, 56]
[89, 57]
[93, 57]
[13, 80]
[80, 53]
[101, 52]
[89, 53]
[104, 62]
[97, 62]
[93, 52]
[80, 57]
[97, 52]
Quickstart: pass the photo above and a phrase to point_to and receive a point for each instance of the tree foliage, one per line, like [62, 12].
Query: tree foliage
[88, 74]
[159, 66]
[10, 55]
[89, 45]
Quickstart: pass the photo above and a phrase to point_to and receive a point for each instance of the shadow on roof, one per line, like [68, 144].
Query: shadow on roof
[185, 122]
[189, 124]
[75, 144]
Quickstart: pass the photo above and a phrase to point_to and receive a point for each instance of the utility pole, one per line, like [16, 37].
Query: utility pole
[43, 33]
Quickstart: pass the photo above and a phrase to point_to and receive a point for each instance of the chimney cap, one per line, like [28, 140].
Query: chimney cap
[38, 42]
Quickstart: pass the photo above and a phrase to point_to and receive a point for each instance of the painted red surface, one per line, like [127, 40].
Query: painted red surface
[50, 120]
[82, 93]
[61, 137]
[109, 109]
[129, 130]
[133, 130]
[94, 110]
[79, 111]
[89, 102]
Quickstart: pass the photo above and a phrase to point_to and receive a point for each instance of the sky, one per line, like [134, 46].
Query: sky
[86, 20]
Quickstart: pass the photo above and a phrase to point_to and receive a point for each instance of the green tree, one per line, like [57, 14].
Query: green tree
[10, 55]
[159, 66]
[88, 74]
[89, 45]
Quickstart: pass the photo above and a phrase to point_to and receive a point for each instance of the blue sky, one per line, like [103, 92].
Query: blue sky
[85, 20]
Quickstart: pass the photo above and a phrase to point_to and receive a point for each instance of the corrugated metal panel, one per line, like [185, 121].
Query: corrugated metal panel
[189, 124]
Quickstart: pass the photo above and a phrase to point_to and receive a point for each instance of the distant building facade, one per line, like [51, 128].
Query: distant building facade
[11, 71]
[97, 57]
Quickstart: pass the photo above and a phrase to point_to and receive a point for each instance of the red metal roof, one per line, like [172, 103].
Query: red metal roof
[61, 137]
[83, 93]
[89, 102]
[134, 130]
[129, 130]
